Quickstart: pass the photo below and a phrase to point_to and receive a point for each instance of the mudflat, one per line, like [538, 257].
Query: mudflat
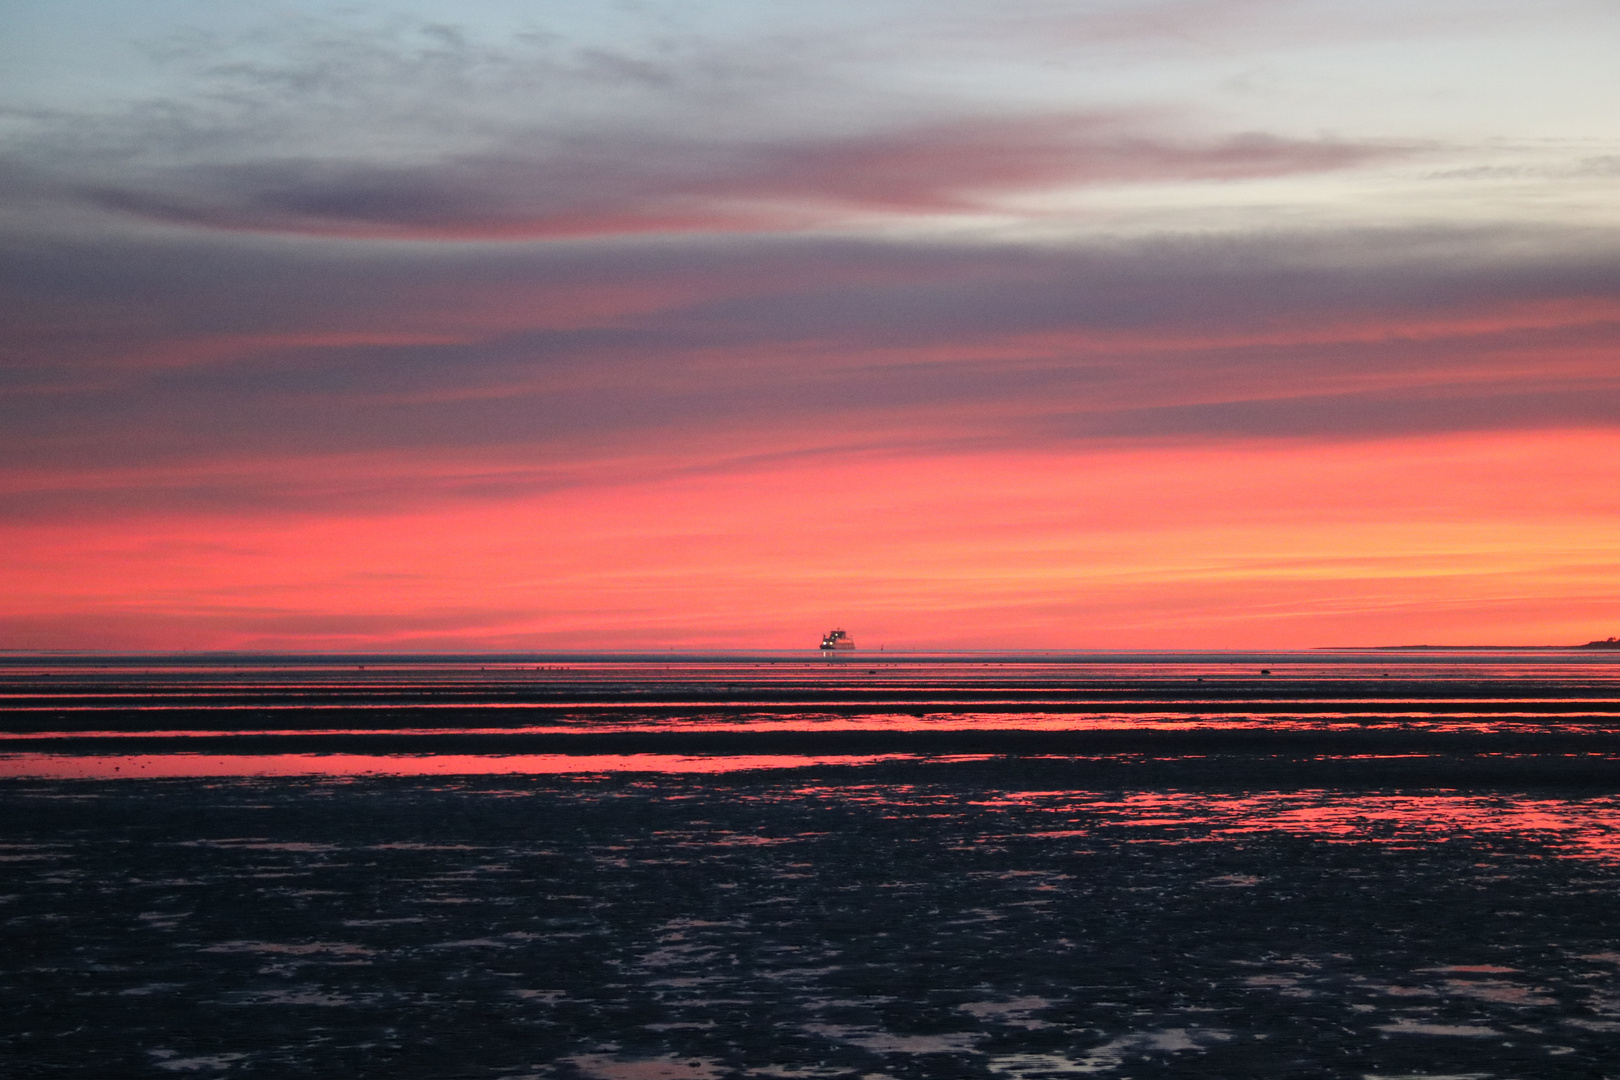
[1309, 902]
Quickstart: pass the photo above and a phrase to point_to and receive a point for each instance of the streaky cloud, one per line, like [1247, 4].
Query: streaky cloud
[582, 186]
[277, 376]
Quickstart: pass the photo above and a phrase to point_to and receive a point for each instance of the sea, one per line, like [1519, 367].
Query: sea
[852, 866]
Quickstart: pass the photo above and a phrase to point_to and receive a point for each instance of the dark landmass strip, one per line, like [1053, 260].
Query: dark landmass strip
[1370, 715]
[508, 697]
[1608, 643]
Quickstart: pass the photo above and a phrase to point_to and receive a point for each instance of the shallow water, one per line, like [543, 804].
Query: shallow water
[753, 706]
[1347, 877]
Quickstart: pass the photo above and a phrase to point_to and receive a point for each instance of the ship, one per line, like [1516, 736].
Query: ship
[836, 639]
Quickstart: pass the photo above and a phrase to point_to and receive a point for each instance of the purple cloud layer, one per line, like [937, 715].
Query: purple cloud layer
[299, 302]
[181, 356]
[581, 185]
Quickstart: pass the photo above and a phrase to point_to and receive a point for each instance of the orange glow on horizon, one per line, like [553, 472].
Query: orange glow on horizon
[1459, 540]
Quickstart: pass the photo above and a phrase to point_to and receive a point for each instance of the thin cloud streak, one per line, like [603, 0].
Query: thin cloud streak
[641, 183]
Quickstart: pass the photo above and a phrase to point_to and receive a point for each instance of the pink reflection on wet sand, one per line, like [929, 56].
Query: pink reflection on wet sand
[1578, 827]
[1582, 827]
[175, 766]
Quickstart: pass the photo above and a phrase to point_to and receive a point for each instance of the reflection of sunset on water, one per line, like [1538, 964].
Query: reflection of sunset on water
[169, 766]
[1587, 827]
[1583, 827]
[1008, 866]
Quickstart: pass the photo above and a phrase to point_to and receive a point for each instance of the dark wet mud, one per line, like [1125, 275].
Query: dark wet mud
[995, 919]
[1015, 868]
[358, 694]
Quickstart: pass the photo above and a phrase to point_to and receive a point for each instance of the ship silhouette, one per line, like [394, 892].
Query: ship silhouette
[836, 639]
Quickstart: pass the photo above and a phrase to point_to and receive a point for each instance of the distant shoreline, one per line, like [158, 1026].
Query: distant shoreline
[1470, 648]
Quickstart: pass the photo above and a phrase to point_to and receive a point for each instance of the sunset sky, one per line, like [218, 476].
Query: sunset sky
[963, 325]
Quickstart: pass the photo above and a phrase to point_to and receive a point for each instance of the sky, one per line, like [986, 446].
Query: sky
[1093, 324]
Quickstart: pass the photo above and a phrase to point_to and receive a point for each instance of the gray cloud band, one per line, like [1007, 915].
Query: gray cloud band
[777, 348]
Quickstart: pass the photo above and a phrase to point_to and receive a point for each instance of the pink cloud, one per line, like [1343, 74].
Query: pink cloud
[587, 187]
